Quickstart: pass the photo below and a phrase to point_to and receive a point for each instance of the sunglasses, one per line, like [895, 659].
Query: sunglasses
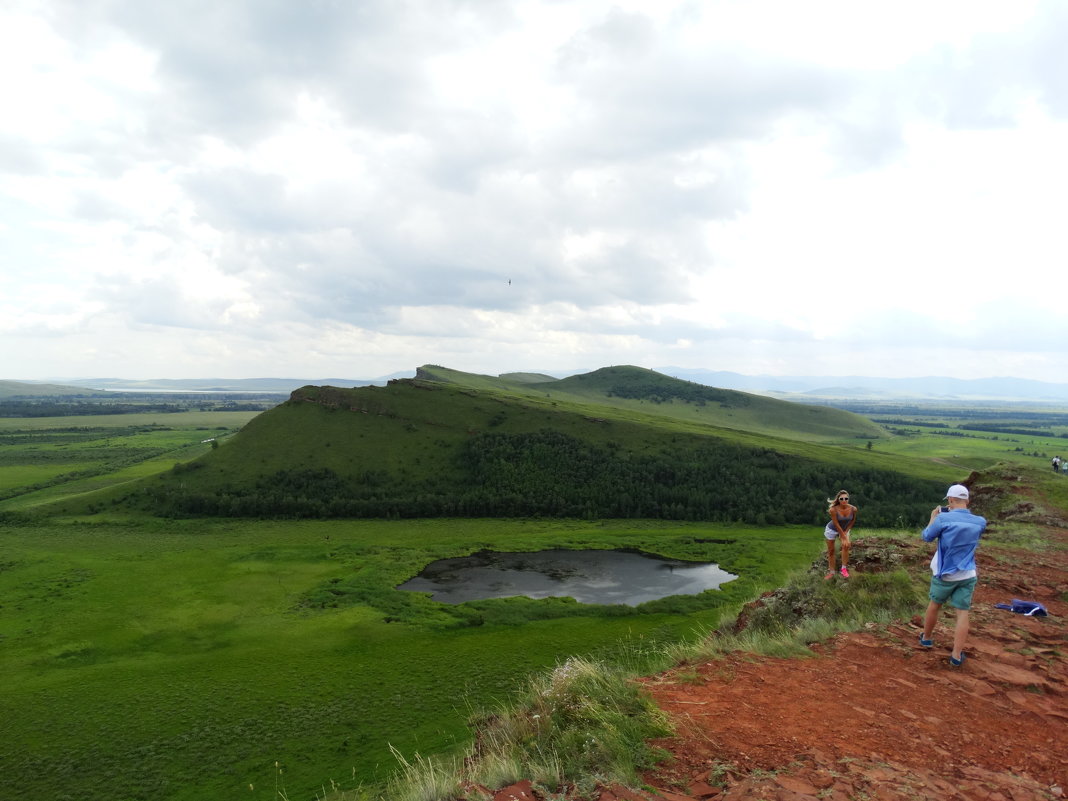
[843, 498]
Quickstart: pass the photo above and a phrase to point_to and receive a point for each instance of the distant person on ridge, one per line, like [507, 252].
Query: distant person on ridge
[1056, 462]
[953, 574]
[843, 518]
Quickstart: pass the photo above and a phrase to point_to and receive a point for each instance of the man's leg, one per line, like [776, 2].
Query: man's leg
[930, 618]
[960, 633]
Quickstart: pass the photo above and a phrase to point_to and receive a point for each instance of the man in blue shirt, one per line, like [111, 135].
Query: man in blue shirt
[953, 573]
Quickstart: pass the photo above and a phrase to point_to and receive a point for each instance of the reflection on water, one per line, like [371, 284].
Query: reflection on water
[590, 577]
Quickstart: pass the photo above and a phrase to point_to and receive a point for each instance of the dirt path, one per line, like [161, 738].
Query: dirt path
[875, 716]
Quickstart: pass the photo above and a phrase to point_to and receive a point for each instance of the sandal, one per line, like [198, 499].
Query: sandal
[958, 662]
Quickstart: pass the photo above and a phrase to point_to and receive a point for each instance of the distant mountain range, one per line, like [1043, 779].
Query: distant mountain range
[66, 386]
[800, 388]
[869, 388]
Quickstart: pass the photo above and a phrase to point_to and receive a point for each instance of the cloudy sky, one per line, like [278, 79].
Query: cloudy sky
[352, 188]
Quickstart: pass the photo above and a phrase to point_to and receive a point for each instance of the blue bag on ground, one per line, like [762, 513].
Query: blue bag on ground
[1030, 608]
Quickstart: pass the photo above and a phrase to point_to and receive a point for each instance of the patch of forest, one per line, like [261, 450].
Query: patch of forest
[551, 474]
[662, 392]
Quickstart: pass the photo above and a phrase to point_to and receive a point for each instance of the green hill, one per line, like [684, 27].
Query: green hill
[528, 378]
[452, 444]
[636, 387]
[650, 393]
[26, 389]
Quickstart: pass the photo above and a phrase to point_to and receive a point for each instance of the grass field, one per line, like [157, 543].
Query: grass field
[973, 450]
[175, 660]
[43, 459]
[156, 659]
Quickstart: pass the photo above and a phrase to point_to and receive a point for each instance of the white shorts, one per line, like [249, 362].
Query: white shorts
[830, 532]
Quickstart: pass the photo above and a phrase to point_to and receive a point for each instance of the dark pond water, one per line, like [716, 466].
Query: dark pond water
[590, 577]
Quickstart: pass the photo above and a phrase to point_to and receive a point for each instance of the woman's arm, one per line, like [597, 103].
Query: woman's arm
[833, 512]
[853, 522]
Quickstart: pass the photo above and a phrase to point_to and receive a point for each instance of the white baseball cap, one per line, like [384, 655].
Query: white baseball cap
[957, 491]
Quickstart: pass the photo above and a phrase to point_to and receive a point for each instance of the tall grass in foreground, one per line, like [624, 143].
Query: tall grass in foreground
[806, 610]
[587, 723]
[581, 724]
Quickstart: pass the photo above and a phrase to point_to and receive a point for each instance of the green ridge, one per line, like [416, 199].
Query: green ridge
[618, 442]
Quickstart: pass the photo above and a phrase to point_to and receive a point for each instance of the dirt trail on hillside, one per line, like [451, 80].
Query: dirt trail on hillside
[875, 716]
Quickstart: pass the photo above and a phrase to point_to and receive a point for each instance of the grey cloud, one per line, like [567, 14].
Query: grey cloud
[620, 35]
[984, 84]
[234, 69]
[667, 101]
[18, 156]
[95, 207]
[357, 253]
[1048, 57]
[158, 300]
[466, 147]
[248, 202]
[669, 331]
[1016, 65]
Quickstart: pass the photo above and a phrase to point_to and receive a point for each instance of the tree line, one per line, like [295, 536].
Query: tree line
[659, 391]
[551, 474]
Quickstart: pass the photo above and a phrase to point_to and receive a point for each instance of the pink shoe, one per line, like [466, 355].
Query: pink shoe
[844, 571]
[830, 575]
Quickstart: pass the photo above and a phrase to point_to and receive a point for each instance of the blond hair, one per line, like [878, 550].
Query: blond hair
[832, 501]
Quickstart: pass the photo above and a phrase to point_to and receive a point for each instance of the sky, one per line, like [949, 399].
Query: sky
[354, 188]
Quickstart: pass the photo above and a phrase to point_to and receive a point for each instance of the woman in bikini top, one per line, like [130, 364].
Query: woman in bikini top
[843, 516]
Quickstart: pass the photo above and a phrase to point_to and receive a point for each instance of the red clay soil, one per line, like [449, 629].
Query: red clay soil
[876, 716]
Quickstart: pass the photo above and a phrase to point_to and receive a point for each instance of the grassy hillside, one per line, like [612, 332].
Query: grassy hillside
[419, 448]
[646, 391]
[22, 389]
[527, 378]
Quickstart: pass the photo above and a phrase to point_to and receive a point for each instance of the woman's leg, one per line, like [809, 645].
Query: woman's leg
[845, 550]
[830, 558]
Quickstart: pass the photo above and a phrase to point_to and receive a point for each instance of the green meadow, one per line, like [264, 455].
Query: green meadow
[43, 459]
[991, 434]
[182, 657]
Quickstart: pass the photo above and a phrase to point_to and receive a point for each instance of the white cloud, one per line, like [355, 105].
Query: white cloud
[355, 189]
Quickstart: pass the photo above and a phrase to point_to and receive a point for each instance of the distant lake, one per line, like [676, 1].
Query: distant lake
[589, 576]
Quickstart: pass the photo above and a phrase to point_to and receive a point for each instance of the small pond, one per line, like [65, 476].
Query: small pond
[590, 577]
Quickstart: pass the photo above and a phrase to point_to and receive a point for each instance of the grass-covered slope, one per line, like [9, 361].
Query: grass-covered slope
[22, 389]
[652, 393]
[425, 448]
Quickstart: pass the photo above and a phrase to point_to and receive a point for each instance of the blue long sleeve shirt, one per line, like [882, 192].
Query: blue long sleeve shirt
[958, 532]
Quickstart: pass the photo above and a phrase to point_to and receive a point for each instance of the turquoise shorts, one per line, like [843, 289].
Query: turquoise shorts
[958, 593]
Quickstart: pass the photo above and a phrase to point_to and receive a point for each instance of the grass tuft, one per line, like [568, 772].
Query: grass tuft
[424, 779]
[584, 722]
[808, 609]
